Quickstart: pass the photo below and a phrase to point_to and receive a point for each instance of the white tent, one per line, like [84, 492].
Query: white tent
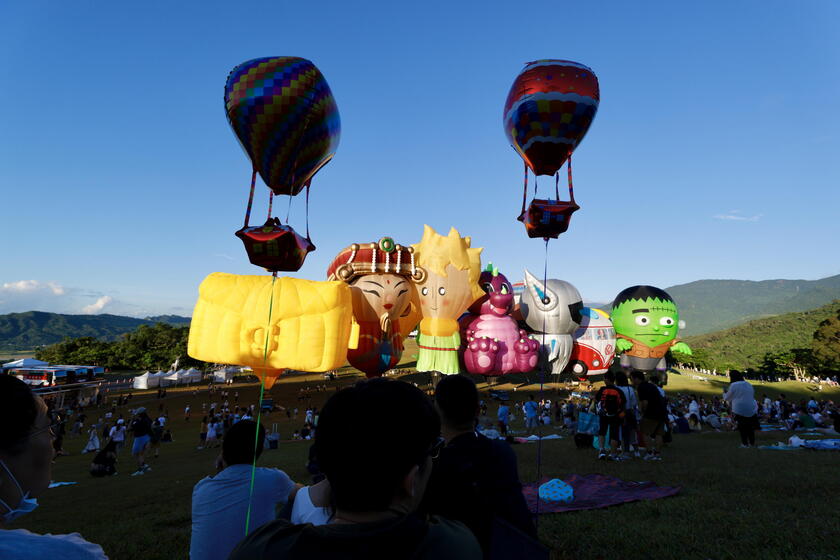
[25, 363]
[155, 378]
[184, 377]
[195, 376]
[141, 381]
[225, 374]
[167, 379]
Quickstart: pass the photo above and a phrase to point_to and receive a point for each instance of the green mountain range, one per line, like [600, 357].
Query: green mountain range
[711, 305]
[746, 345]
[26, 331]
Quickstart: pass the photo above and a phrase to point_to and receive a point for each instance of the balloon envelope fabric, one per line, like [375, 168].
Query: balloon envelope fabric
[548, 111]
[285, 116]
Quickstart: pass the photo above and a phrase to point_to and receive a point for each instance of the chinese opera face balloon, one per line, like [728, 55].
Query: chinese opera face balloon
[381, 278]
[548, 111]
[285, 117]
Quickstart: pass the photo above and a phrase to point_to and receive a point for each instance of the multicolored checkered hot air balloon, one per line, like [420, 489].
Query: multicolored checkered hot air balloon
[286, 119]
[285, 116]
[547, 113]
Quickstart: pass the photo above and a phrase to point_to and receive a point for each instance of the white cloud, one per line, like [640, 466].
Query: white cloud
[97, 306]
[30, 286]
[736, 216]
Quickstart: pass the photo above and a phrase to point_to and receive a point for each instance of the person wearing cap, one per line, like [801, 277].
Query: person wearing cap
[141, 428]
[117, 434]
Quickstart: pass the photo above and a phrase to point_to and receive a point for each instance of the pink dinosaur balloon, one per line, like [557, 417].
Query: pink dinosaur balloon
[493, 342]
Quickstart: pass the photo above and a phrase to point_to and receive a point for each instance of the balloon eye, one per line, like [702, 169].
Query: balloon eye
[546, 300]
[666, 321]
[505, 289]
[488, 287]
[442, 290]
[424, 291]
[642, 320]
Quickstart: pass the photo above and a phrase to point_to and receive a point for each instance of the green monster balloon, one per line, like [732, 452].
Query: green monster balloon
[646, 322]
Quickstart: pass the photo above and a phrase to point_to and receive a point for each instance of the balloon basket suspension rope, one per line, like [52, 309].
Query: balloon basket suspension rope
[259, 404]
[543, 367]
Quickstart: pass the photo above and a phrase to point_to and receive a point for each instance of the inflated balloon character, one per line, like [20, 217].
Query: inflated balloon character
[272, 324]
[493, 343]
[593, 347]
[547, 113]
[553, 311]
[447, 291]
[284, 114]
[646, 322]
[382, 278]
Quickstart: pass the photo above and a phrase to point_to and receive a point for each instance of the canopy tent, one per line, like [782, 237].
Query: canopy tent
[167, 379]
[146, 381]
[225, 375]
[195, 376]
[25, 363]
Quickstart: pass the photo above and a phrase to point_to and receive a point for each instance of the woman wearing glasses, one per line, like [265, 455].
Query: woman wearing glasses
[26, 454]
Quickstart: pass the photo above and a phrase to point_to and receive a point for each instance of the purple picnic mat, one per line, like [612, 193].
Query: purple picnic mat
[594, 491]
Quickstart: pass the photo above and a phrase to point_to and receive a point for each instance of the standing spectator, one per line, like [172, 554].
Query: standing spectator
[610, 403]
[654, 415]
[93, 441]
[475, 480]
[141, 428]
[202, 434]
[741, 397]
[504, 417]
[187, 413]
[221, 503]
[155, 438]
[630, 425]
[117, 434]
[376, 486]
[530, 408]
[26, 455]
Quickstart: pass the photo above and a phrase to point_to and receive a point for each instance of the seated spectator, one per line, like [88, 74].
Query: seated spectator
[476, 479]
[26, 454]
[221, 503]
[376, 484]
[312, 504]
[105, 462]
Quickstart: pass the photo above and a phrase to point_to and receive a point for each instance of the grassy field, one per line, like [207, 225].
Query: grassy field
[735, 503]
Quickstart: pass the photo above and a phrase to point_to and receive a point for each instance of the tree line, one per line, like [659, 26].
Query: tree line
[149, 347]
[820, 358]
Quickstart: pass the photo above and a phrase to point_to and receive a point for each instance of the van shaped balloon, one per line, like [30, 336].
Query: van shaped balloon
[593, 349]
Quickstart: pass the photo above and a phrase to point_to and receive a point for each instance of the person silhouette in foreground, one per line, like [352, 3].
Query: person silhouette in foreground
[375, 443]
[26, 454]
[475, 480]
[221, 503]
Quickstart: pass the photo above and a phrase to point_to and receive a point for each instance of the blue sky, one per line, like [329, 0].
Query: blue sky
[713, 153]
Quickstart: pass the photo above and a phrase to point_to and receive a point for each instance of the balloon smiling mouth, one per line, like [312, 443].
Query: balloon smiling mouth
[388, 305]
[652, 334]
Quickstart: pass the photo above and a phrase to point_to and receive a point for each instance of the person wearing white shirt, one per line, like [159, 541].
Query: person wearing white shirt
[26, 454]
[741, 397]
[117, 434]
[221, 503]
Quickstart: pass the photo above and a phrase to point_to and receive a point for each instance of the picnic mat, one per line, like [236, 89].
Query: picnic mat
[594, 491]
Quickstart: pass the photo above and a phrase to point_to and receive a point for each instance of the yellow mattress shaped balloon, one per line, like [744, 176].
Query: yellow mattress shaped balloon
[310, 327]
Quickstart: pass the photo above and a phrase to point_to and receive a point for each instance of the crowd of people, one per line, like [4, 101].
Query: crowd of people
[430, 484]
[437, 488]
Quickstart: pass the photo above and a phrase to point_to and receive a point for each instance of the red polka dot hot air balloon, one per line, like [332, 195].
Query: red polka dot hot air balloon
[548, 112]
[284, 114]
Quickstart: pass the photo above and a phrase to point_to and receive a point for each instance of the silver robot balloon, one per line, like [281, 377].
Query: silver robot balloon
[553, 312]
